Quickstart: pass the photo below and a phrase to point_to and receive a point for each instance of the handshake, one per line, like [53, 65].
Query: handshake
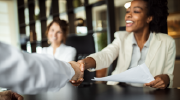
[79, 68]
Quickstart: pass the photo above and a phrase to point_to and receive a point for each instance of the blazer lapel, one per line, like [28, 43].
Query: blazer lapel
[153, 48]
[128, 50]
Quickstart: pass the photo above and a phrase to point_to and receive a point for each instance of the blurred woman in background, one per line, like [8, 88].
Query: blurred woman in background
[56, 33]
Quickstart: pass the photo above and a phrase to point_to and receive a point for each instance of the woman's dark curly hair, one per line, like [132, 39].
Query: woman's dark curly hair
[159, 10]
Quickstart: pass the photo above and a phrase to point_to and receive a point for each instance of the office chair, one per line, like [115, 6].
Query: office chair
[84, 46]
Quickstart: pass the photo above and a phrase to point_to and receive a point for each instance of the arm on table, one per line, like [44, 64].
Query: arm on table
[166, 79]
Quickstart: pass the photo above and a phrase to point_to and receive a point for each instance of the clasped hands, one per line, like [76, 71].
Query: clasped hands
[78, 67]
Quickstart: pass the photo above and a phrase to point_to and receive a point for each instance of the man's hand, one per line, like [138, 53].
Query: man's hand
[9, 95]
[77, 79]
[161, 81]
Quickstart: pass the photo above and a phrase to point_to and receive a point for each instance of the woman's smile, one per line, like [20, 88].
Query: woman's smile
[55, 34]
[54, 38]
[129, 23]
[137, 19]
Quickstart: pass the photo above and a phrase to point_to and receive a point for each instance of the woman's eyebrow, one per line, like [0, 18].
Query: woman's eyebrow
[138, 7]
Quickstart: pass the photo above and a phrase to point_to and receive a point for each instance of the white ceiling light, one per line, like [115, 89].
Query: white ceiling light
[127, 5]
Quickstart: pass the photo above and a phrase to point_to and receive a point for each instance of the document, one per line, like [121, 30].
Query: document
[139, 74]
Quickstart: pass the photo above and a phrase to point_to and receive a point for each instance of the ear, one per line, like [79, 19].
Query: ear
[149, 19]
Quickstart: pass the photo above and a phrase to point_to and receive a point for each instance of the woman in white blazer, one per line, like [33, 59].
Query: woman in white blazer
[142, 43]
[56, 33]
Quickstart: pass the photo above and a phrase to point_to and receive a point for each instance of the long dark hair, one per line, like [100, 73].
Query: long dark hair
[159, 10]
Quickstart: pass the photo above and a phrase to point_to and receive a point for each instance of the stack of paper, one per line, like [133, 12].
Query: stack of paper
[139, 74]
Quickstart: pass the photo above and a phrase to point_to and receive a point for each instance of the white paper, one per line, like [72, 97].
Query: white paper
[139, 74]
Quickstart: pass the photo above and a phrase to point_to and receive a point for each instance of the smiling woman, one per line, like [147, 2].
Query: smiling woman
[136, 17]
[56, 33]
[142, 43]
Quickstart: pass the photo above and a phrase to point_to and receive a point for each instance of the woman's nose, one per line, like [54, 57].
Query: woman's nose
[54, 34]
[129, 15]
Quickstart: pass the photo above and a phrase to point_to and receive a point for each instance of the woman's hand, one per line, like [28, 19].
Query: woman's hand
[161, 81]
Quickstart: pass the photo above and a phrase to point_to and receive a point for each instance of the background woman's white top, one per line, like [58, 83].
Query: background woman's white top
[63, 52]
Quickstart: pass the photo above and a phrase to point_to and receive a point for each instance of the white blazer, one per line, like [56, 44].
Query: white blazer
[27, 73]
[63, 52]
[160, 57]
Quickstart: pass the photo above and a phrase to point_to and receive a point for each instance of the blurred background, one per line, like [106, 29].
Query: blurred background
[23, 24]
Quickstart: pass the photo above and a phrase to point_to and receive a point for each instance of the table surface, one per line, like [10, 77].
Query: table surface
[107, 92]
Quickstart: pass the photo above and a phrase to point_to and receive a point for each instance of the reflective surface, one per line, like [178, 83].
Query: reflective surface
[107, 92]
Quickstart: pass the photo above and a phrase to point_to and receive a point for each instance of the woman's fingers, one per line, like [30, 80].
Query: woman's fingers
[151, 83]
[157, 83]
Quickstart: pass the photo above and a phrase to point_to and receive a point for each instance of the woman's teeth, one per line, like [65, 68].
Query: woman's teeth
[128, 21]
[54, 38]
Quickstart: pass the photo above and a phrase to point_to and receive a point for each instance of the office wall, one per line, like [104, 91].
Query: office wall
[9, 22]
[176, 74]
[173, 6]
[120, 17]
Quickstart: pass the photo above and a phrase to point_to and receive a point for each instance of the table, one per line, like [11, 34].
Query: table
[108, 92]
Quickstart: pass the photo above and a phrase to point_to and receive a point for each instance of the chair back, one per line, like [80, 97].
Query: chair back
[84, 46]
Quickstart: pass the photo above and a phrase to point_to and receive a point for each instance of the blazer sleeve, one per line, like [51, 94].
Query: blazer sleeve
[169, 65]
[27, 73]
[105, 57]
